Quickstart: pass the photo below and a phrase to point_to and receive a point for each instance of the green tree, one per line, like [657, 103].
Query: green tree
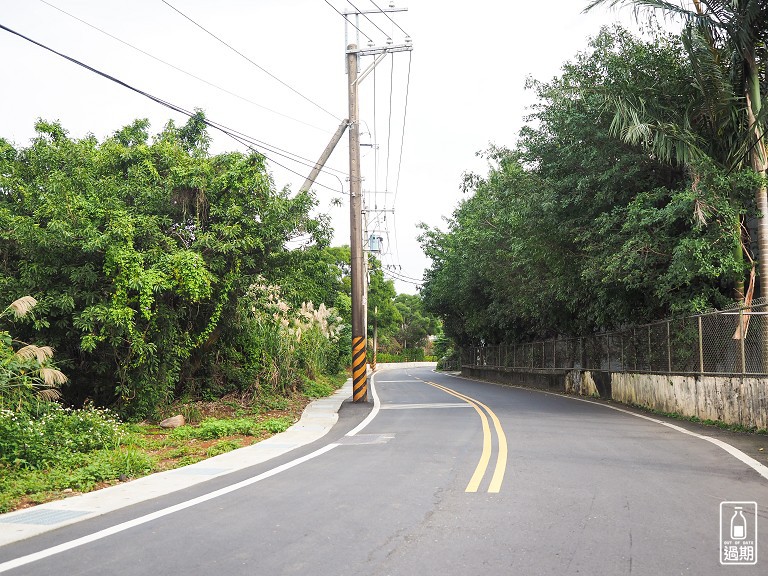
[578, 230]
[416, 324]
[140, 252]
[724, 40]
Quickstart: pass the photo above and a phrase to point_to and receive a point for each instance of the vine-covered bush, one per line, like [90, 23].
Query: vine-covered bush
[140, 252]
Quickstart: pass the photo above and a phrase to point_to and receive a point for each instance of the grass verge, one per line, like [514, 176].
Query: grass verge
[707, 422]
[66, 463]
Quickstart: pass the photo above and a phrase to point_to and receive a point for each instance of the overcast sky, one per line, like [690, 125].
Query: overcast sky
[465, 89]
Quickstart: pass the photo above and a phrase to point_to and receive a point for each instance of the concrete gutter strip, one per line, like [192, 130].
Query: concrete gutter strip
[316, 421]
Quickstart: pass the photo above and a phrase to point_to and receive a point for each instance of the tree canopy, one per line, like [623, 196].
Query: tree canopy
[142, 253]
[576, 229]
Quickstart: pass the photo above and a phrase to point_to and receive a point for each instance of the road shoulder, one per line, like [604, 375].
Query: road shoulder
[316, 421]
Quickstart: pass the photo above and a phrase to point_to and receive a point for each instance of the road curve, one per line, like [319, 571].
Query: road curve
[448, 476]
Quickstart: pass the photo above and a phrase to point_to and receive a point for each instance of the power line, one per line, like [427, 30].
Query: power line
[275, 149]
[190, 74]
[390, 18]
[397, 267]
[243, 139]
[268, 73]
[402, 146]
[389, 122]
[367, 18]
[375, 150]
[396, 277]
[402, 137]
[347, 19]
[250, 142]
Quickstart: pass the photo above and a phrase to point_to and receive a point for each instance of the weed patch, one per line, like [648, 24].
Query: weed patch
[222, 447]
[56, 451]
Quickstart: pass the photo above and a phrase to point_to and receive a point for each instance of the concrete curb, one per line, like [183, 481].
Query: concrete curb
[315, 422]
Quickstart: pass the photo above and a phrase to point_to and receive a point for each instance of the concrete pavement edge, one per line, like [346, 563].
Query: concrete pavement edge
[316, 421]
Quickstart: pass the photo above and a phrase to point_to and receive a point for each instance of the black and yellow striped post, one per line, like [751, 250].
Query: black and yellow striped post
[359, 370]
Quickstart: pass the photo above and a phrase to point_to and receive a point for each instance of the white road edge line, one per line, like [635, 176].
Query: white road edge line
[758, 467]
[374, 412]
[34, 557]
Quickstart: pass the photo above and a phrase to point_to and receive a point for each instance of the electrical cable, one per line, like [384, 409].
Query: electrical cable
[400, 160]
[271, 147]
[375, 149]
[390, 18]
[347, 19]
[403, 275]
[250, 143]
[229, 132]
[389, 122]
[395, 277]
[364, 15]
[267, 72]
[190, 74]
[402, 137]
[277, 150]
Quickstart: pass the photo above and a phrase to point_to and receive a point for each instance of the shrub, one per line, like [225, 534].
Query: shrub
[55, 434]
[213, 428]
[315, 389]
[276, 425]
[222, 447]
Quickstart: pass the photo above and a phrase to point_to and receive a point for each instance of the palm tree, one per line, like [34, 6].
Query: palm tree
[725, 41]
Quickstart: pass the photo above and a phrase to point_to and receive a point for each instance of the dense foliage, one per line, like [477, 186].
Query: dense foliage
[153, 261]
[578, 229]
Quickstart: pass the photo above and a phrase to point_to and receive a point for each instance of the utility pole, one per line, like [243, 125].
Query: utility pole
[359, 330]
[357, 255]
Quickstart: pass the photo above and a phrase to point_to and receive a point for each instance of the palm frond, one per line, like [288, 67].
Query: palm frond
[668, 141]
[742, 25]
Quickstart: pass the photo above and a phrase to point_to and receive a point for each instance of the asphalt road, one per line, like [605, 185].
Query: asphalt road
[448, 477]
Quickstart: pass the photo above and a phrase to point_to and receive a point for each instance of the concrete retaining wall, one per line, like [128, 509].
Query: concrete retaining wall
[541, 379]
[733, 400]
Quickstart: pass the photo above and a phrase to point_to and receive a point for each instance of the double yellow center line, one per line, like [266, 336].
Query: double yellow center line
[485, 456]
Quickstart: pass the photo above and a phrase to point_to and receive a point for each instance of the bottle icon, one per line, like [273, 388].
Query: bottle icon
[738, 525]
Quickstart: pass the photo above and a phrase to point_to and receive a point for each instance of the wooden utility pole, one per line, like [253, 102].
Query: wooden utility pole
[357, 255]
[359, 331]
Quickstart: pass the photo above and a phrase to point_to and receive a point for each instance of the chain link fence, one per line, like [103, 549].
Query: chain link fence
[726, 342]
